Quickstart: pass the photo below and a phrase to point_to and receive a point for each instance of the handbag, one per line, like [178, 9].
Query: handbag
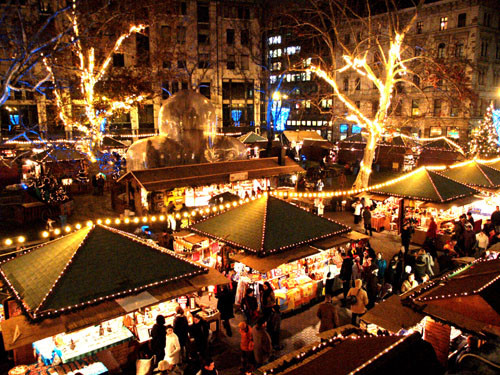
[352, 299]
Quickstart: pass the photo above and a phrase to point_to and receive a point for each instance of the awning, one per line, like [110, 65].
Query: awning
[19, 331]
[331, 242]
[447, 205]
[270, 262]
[392, 315]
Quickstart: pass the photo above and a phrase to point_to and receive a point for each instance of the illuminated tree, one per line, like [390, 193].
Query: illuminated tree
[25, 38]
[373, 50]
[484, 142]
[90, 71]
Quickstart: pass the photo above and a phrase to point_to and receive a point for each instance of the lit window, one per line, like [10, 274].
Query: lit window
[443, 23]
[275, 39]
[306, 62]
[420, 27]
[314, 123]
[292, 50]
[436, 131]
[441, 49]
[415, 108]
[308, 123]
[272, 79]
[308, 103]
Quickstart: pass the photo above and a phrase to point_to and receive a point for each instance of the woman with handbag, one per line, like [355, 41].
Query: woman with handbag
[358, 299]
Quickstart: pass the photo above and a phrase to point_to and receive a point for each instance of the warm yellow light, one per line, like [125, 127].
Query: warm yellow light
[108, 221]
[162, 217]
[153, 218]
[235, 204]
[193, 213]
[99, 221]
[228, 205]
[45, 234]
[221, 207]
[127, 220]
[89, 223]
[67, 228]
[214, 209]
[117, 221]
[185, 214]
[21, 239]
[136, 220]
[207, 210]
[144, 219]
[78, 226]
[8, 242]
[177, 216]
[57, 231]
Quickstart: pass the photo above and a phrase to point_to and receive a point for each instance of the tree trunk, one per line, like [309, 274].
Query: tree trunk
[365, 169]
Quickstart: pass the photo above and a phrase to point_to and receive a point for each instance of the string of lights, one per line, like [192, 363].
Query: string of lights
[203, 212]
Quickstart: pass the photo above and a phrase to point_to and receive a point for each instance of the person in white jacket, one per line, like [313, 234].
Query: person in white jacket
[172, 347]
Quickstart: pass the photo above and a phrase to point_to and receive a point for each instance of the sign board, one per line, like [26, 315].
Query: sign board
[241, 176]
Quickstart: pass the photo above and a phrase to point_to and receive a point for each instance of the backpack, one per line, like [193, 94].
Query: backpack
[352, 299]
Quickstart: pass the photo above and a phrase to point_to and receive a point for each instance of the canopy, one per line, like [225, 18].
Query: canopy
[224, 198]
[300, 135]
[88, 266]
[158, 179]
[57, 154]
[474, 174]
[467, 298]
[110, 142]
[361, 354]
[425, 185]
[252, 137]
[267, 225]
[443, 144]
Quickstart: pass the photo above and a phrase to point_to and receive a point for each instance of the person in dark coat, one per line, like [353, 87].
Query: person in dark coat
[367, 220]
[158, 338]
[346, 274]
[274, 327]
[199, 331]
[250, 306]
[327, 315]
[267, 299]
[495, 219]
[406, 232]
[225, 306]
[181, 329]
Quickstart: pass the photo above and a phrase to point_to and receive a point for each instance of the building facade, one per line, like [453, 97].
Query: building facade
[210, 46]
[461, 36]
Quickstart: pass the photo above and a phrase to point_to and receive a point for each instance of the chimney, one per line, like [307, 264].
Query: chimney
[282, 156]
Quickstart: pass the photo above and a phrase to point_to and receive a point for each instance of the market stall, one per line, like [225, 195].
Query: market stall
[474, 174]
[353, 351]
[151, 189]
[445, 309]
[95, 292]
[423, 193]
[440, 151]
[273, 241]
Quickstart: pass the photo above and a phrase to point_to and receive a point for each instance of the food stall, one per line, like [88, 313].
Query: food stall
[96, 298]
[422, 193]
[273, 240]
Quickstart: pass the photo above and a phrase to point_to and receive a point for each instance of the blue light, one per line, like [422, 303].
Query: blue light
[236, 116]
[280, 116]
[356, 129]
[343, 128]
[496, 122]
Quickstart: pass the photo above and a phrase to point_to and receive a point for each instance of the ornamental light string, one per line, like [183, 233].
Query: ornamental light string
[90, 74]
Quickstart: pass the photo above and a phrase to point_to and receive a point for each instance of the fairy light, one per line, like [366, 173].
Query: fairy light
[78, 226]
[57, 231]
[21, 239]
[90, 75]
[45, 234]
[67, 228]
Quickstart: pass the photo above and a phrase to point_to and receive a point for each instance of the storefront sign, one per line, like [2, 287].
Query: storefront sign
[241, 176]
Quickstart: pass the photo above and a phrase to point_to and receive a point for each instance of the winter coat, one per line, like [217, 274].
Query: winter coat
[181, 329]
[262, 345]
[246, 338]
[158, 334]
[362, 300]
[367, 217]
[172, 349]
[225, 304]
[328, 316]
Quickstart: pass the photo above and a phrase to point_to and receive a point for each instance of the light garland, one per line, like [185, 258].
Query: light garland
[280, 194]
[262, 251]
[90, 75]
